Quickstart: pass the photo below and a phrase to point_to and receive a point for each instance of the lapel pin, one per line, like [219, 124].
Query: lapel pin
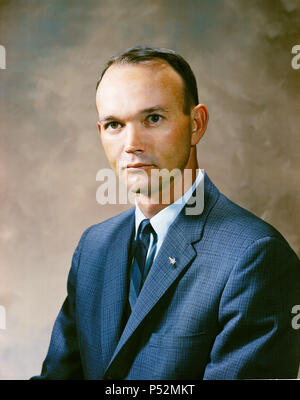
[172, 260]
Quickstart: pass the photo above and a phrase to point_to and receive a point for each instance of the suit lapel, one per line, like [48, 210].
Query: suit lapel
[178, 244]
[115, 290]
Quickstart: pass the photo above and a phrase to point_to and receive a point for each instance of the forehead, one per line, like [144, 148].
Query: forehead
[130, 87]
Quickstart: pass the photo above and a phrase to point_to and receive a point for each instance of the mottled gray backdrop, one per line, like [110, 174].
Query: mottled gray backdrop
[50, 151]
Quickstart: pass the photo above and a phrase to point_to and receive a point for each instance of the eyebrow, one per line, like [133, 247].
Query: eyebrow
[144, 111]
[152, 109]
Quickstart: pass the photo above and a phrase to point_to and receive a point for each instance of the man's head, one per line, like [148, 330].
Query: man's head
[149, 116]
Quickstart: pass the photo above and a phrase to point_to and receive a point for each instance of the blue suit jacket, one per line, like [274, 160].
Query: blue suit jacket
[223, 311]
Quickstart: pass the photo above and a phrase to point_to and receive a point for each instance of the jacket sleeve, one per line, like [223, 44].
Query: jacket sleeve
[63, 357]
[256, 338]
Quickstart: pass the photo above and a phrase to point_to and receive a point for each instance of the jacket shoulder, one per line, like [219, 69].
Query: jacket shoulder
[109, 226]
[242, 224]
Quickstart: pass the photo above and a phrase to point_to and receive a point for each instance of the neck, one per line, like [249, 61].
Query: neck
[172, 191]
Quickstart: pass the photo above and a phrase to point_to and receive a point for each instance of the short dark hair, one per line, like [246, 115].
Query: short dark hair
[138, 54]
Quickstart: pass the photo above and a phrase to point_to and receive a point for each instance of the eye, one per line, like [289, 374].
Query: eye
[112, 125]
[154, 118]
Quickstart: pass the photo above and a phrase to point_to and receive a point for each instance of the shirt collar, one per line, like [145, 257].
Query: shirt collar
[163, 219]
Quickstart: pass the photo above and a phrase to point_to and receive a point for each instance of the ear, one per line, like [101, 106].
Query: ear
[99, 128]
[199, 123]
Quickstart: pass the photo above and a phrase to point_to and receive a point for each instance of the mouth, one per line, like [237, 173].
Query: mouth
[137, 166]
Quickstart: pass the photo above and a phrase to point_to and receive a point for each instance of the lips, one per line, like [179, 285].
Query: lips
[139, 165]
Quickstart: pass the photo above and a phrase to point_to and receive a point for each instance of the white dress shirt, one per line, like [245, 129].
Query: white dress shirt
[164, 218]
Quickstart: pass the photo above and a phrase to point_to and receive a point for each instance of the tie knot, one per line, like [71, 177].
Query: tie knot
[144, 231]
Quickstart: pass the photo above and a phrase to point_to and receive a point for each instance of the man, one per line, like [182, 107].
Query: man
[158, 292]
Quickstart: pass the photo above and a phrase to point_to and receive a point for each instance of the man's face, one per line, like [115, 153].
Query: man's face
[141, 121]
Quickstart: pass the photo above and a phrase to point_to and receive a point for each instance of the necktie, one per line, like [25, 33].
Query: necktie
[141, 263]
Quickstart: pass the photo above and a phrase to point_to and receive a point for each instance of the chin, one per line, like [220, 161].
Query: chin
[139, 189]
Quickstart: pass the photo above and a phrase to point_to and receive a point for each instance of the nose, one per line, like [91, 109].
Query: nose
[134, 139]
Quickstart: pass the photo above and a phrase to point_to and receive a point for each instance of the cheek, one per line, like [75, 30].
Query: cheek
[174, 146]
[111, 149]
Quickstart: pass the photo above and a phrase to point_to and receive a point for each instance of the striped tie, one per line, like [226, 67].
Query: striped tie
[141, 263]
